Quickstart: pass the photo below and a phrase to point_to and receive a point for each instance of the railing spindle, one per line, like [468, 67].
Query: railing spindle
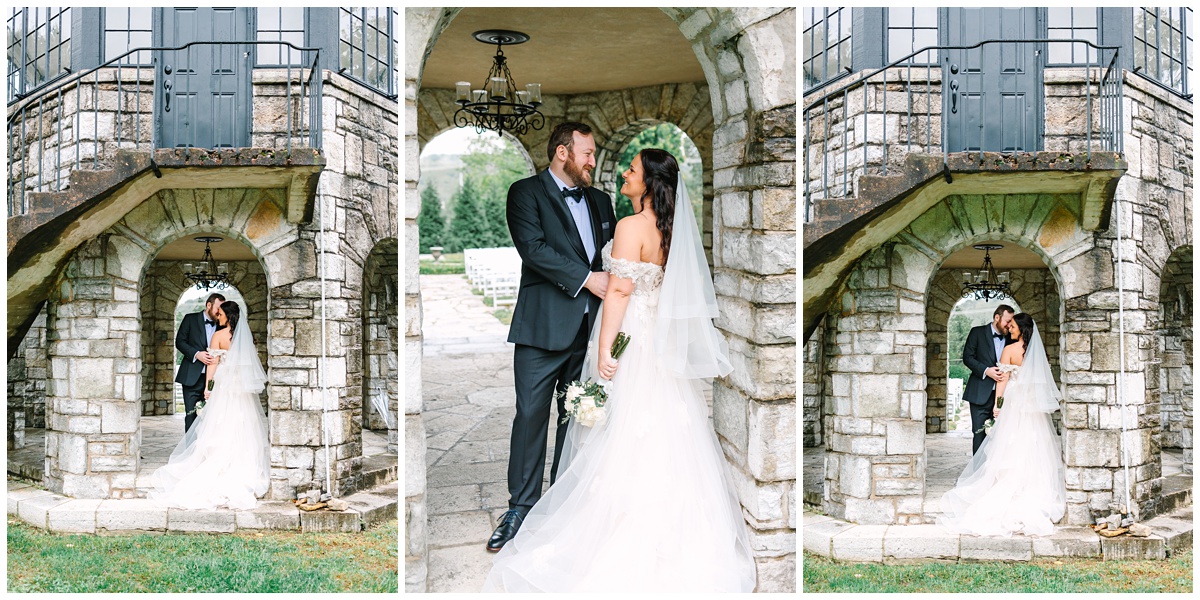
[119, 99]
[288, 101]
[883, 119]
[1087, 83]
[96, 121]
[58, 148]
[908, 117]
[41, 142]
[845, 145]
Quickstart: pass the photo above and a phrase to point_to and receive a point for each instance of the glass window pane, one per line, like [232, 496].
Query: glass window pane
[1085, 17]
[140, 18]
[900, 17]
[925, 17]
[139, 39]
[293, 18]
[1058, 17]
[114, 44]
[899, 43]
[268, 19]
[925, 38]
[116, 18]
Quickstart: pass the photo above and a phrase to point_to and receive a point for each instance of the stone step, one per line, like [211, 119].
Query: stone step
[58, 513]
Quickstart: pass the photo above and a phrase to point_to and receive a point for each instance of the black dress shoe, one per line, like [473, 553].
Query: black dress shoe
[510, 522]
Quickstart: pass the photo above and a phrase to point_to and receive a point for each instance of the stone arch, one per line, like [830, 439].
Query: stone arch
[380, 338]
[1173, 347]
[748, 57]
[877, 346]
[435, 124]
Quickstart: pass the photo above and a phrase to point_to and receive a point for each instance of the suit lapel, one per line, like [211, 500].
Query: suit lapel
[560, 208]
[594, 212]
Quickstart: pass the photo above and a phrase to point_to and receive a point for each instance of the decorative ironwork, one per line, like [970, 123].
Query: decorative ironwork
[207, 274]
[498, 106]
[987, 284]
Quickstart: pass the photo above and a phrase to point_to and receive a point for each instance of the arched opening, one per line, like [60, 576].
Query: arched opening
[380, 328]
[666, 136]
[165, 297]
[1174, 372]
[949, 317]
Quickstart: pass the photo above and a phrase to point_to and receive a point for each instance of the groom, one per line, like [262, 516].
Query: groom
[981, 354]
[559, 224]
[192, 339]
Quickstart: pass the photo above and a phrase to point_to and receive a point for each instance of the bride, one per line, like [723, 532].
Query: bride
[1015, 483]
[643, 501]
[224, 460]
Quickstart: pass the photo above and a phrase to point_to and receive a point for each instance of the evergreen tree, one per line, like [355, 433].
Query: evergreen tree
[431, 224]
[469, 227]
[497, 217]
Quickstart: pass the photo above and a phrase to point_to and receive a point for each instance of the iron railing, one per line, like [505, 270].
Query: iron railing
[917, 80]
[79, 121]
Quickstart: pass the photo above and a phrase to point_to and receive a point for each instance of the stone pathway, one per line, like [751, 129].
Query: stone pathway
[467, 382]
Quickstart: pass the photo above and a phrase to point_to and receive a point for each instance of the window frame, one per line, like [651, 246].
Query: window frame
[842, 12]
[1142, 39]
[888, 28]
[1098, 28]
[385, 41]
[104, 31]
[298, 61]
[24, 88]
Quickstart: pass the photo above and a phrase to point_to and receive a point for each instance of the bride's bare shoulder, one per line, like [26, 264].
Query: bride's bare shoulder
[1014, 354]
[221, 339]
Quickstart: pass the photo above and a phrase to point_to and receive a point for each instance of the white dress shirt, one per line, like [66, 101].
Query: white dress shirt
[583, 223]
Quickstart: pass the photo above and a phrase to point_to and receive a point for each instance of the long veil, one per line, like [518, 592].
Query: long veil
[242, 370]
[1036, 377]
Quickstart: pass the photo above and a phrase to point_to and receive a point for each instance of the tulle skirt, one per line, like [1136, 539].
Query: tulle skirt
[223, 460]
[1016, 482]
[644, 502]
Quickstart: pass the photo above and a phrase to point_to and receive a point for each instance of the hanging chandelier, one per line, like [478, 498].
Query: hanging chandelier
[207, 274]
[499, 106]
[987, 284]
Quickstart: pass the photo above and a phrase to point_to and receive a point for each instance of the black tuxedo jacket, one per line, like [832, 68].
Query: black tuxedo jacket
[979, 353]
[190, 339]
[554, 262]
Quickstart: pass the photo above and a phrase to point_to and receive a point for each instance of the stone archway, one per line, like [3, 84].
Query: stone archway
[380, 328]
[876, 374]
[1174, 352]
[748, 58]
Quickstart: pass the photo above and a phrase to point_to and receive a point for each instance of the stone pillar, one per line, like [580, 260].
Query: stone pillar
[875, 448]
[754, 265]
[814, 393]
[92, 437]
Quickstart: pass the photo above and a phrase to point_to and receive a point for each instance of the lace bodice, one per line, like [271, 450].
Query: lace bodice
[1010, 369]
[219, 353]
[646, 276]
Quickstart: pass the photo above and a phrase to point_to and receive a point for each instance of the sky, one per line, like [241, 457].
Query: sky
[455, 141]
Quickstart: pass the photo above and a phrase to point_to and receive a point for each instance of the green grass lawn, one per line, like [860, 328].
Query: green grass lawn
[1043, 575]
[449, 264]
[239, 562]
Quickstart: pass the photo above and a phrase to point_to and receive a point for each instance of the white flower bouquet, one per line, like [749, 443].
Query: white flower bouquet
[585, 400]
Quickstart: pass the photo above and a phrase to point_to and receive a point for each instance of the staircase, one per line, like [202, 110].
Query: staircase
[842, 230]
[41, 240]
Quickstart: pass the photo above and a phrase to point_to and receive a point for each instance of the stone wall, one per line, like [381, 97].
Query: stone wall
[1175, 352]
[162, 287]
[381, 327]
[814, 393]
[28, 372]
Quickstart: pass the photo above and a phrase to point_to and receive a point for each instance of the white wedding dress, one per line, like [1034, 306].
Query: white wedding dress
[1016, 482]
[224, 459]
[644, 501]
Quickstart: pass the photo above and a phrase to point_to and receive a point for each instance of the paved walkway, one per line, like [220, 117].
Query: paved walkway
[457, 322]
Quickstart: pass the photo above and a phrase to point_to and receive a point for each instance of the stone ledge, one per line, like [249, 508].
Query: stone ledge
[891, 544]
[63, 514]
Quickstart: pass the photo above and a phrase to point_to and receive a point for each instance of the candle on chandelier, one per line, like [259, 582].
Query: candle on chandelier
[535, 92]
[499, 88]
[463, 89]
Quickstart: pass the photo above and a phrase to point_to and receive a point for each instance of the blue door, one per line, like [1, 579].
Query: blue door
[204, 90]
[995, 96]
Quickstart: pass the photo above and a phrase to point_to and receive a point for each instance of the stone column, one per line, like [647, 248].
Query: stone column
[92, 437]
[875, 448]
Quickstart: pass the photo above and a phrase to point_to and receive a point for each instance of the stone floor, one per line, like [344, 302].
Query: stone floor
[947, 455]
[467, 382]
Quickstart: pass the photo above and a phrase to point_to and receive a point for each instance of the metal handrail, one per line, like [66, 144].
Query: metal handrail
[30, 116]
[1110, 107]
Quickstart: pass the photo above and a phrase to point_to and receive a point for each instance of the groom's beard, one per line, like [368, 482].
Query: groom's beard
[579, 176]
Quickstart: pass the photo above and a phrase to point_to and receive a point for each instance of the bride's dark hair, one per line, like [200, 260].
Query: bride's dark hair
[232, 312]
[1025, 325]
[660, 173]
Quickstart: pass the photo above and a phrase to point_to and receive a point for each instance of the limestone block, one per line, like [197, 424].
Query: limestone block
[871, 511]
[207, 521]
[730, 416]
[919, 542]
[35, 510]
[1091, 448]
[863, 543]
[413, 401]
[269, 515]
[995, 548]
[898, 487]
[771, 447]
[414, 456]
[905, 437]
[876, 395]
[763, 501]
[119, 417]
[855, 476]
[74, 516]
[92, 378]
[1068, 541]
[295, 428]
[72, 453]
[130, 515]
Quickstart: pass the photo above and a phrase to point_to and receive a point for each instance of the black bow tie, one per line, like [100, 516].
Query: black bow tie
[209, 322]
[575, 194]
[997, 335]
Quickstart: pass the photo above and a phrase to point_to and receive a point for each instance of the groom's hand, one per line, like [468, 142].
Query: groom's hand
[597, 284]
[204, 357]
[994, 373]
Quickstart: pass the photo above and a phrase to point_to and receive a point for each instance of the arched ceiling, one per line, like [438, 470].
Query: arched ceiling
[187, 248]
[1011, 256]
[570, 50]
